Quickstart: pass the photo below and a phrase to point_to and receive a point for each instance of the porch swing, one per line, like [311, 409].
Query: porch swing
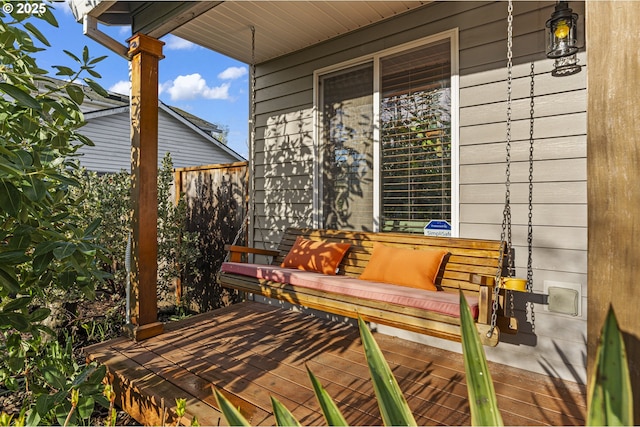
[482, 269]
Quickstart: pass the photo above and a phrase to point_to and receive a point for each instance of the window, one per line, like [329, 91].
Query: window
[415, 138]
[387, 149]
[347, 149]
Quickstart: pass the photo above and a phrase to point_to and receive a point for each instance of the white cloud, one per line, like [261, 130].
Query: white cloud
[176, 43]
[123, 87]
[193, 86]
[232, 73]
[64, 6]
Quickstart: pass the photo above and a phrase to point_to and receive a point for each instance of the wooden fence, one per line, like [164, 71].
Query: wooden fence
[216, 206]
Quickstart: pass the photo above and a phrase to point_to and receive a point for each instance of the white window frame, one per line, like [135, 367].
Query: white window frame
[376, 57]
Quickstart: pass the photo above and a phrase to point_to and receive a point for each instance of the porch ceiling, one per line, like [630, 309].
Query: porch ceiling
[282, 27]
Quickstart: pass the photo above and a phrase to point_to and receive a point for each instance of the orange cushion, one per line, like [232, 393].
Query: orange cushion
[311, 255]
[406, 267]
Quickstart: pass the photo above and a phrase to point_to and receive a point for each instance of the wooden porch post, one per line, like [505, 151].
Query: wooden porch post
[145, 53]
[613, 159]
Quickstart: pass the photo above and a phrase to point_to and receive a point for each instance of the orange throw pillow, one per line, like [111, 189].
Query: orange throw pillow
[311, 255]
[406, 267]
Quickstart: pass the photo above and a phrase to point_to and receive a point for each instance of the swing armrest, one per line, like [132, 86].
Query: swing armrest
[482, 280]
[485, 296]
[237, 253]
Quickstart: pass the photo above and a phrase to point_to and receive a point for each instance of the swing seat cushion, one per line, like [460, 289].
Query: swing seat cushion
[319, 256]
[405, 267]
[446, 303]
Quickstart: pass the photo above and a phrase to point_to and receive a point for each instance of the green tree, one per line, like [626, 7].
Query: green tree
[45, 252]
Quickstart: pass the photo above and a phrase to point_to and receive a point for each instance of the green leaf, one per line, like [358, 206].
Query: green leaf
[44, 404]
[10, 198]
[85, 407]
[25, 159]
[39, 314]
[20, 95]
[610, 390]
[64, 250]
[16, 320]
[84, 375]
[482, 396]
[49, 17]
[332, 414]
[233, 416]
[8, 168]
[72, 56]
[91, 228]
[13, 257]
[15, 364]
[96, 87]
[62, 413]
[17, 304]
[76, 94]
[33, 418]
[41, 262]
[63, 70]
[393, 407]
[36, 190]
[283, 416]
[94, 61]
[37, 34]
[8, 281]
[54, 377]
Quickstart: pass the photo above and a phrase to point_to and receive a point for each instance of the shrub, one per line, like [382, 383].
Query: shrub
[48, 255]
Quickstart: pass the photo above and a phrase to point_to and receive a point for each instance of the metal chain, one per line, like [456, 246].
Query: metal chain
[530, 223]
[506, 214]
[245, 220]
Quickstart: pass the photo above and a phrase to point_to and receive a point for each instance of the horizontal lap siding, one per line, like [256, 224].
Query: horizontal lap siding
[284, 189]
[559, 198]
[112, 150]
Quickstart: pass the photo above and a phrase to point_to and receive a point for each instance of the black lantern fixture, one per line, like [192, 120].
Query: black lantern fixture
[562, 40]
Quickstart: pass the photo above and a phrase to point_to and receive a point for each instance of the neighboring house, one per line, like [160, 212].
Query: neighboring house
[191, 140]
[190, 144]
[331, 99]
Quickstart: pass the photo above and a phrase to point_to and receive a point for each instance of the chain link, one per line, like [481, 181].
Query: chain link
[505, 234]
[530, 223]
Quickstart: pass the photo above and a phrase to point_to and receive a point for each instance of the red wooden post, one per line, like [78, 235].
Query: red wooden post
[145, 53]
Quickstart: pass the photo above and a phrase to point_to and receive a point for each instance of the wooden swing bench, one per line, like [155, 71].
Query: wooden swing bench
[470, 265]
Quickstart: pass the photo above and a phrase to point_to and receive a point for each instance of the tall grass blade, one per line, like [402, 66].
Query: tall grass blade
[332, 414]
[283, 416]
[233, 416]
[393, 406]
[482, 395]
[611, 400]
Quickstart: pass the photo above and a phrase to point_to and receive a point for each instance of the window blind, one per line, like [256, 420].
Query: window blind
[415, 137]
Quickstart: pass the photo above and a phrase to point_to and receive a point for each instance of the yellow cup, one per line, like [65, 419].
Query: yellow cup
[514, 284]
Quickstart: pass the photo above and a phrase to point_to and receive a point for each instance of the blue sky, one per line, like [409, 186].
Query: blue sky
[209, 85]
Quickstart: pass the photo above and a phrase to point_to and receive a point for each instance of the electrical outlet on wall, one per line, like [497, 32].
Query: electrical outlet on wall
[564, 297]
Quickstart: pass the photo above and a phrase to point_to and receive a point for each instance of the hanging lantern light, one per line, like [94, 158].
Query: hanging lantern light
[562, 40]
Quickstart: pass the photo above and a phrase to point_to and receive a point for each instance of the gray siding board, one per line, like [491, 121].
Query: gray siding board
[544, 127]
[561, 147]
[545, 192]
[562, 170]
[555, 215]
[496, 91]
[544, 237]
[556, 104]
[283, 155]
[112, 150]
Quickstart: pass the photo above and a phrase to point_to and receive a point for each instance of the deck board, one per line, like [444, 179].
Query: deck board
[253, 351]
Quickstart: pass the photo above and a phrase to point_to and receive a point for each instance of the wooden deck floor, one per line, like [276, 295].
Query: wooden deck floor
[251, 351]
